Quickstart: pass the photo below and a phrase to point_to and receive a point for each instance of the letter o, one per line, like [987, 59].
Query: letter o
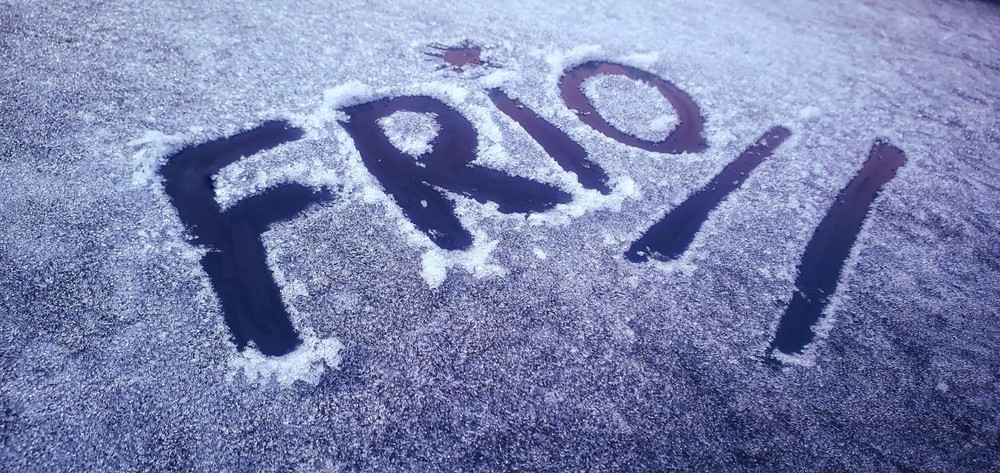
[686, 138]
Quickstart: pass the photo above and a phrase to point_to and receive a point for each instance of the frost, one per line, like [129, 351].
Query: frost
[434, 268]
[559, 61]
[410, 132]
[448, 92]
[586, 201]
[498, 78]
[305, 364]
[335, 98]
[434, 263]
[805, 360]
[809, 113]
[643, 60]
[149, 149]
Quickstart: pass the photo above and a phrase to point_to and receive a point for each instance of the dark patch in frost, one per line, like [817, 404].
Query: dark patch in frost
[670, 237]
[236, 263]
[830, 246]
[459, 57]
[416, 185]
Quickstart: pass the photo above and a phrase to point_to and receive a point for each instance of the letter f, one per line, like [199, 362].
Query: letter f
[236, 263]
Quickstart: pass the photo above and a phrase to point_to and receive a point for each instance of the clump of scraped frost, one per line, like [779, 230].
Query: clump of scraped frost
[149, 149]
[807, 359]
[587, 200]
[643, 60]
[411, 132]
[560, 60]
[498, 78]
[632, 106]
[306, 364]
[334, 99]
[809, 113]
[435, 263]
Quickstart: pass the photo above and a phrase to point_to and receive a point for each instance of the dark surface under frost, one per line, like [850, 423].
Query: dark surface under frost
[114, 354]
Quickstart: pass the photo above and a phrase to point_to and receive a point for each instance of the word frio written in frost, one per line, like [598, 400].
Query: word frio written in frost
[251, 301]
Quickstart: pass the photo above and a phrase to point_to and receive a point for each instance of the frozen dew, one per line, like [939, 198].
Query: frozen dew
[533, 343]
[411, 132]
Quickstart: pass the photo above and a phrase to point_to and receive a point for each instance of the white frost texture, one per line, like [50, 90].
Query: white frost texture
[631, 106]
[307, 363]
[540, 347]
[410, 132]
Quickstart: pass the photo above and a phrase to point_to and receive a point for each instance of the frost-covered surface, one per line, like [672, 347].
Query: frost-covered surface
[307, 363]
[542, 347]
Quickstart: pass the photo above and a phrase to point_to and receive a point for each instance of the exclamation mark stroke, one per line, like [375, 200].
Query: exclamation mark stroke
[669, 238]
[830, 246]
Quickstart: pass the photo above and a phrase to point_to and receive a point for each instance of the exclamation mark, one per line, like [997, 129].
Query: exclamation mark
[830, 246]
